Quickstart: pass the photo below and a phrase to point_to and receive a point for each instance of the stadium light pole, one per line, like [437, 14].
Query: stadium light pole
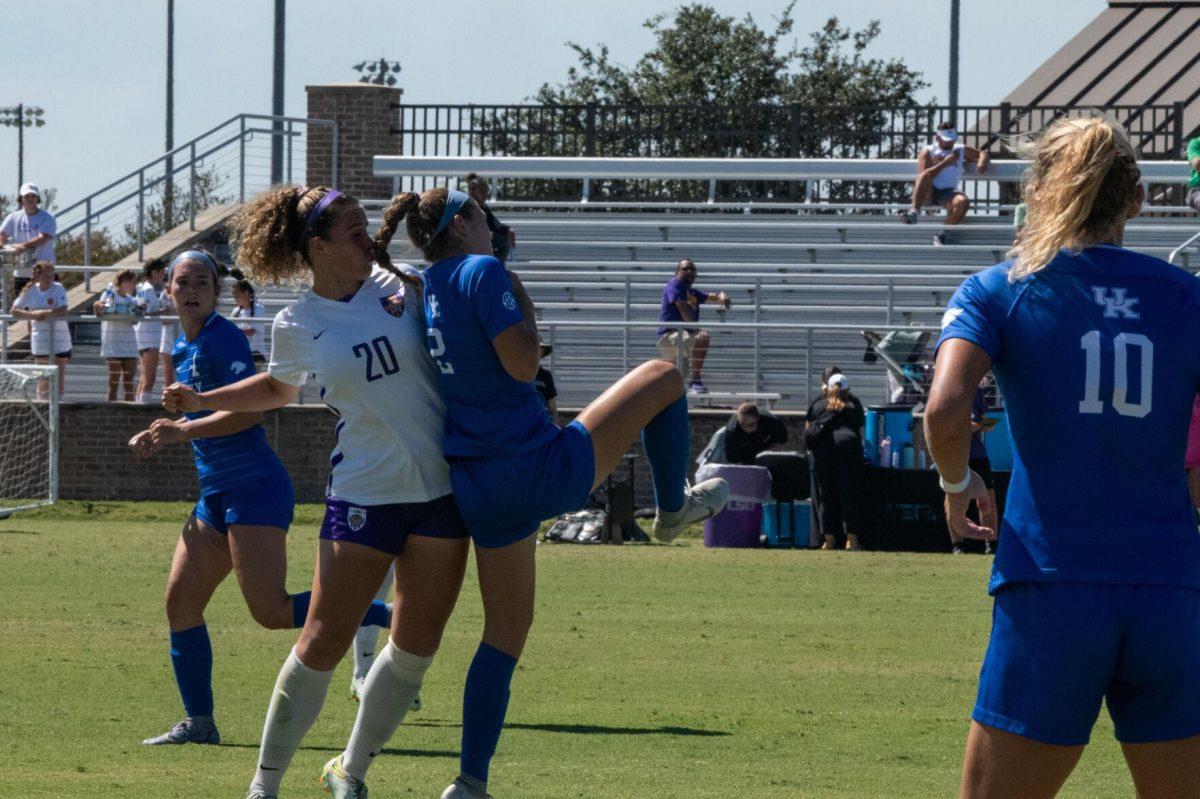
[169, 183]
[21, 116]
[277, 97]
[954, 21]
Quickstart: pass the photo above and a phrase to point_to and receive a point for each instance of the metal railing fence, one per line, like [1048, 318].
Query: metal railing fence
[222, 165]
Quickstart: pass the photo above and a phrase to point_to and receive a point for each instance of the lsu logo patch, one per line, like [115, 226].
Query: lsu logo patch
[394, 304]
[510, 302]
[237, 367]
[356, 518]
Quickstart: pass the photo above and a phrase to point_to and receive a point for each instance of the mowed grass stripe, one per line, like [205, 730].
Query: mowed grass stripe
[651, 671]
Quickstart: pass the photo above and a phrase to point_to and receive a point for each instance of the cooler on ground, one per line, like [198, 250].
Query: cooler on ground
[739, 525]
[789, 483]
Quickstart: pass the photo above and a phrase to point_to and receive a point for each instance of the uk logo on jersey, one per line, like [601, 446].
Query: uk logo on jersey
[237, 367]
[394, 304]
[510, 302]
[356, 518]
[1116, 304]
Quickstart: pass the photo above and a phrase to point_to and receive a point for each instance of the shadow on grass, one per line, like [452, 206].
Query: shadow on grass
[589, 729]
[339, 750]
[18, 532]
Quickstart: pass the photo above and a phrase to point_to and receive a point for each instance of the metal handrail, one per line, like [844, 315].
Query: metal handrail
[1175, 253]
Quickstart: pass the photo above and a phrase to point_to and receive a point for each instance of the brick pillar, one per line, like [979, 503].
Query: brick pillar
[366, 120]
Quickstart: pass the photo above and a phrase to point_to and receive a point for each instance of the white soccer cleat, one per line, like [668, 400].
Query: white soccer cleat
[701, 501]
[261, 795]
[460, 790]
[335, 780]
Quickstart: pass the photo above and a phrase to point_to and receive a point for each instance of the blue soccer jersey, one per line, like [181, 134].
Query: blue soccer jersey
[468, 302]
[1098, 356]
[218, 356]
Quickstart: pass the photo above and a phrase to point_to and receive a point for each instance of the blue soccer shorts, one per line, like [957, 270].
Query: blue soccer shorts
[504, 500]
[267, 501]
[1058, 649]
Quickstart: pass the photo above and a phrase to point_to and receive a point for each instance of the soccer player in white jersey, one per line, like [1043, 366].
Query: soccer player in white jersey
[361, 332]
[43, 302]
[148, 332]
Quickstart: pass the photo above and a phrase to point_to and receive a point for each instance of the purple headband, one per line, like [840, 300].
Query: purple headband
[310, 221]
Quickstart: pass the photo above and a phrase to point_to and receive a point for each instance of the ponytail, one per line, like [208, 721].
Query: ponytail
[421, 215]
[1083, 181]
[401, 206]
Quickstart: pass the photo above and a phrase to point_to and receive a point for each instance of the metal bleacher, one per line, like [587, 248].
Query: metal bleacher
[804, 280]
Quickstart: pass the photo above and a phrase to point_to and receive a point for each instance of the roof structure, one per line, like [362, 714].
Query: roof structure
[1132, 54]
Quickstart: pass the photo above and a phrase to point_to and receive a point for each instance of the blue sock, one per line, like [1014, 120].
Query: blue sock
[300, 604]
[191, 658]
[378, 615]
[485, 702]
[667, 443]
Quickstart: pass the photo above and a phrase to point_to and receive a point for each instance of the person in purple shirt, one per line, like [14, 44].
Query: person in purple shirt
[681, 301]
[980, 424]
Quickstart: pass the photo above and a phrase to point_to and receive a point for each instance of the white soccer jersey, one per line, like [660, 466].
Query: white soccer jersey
[117, 339]
[149, 331]
[368, 354]
[256, 332]
[34, 299]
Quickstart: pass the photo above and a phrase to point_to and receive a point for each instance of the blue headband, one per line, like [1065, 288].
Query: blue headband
[194, 255]
[310, 221]
[455, 200]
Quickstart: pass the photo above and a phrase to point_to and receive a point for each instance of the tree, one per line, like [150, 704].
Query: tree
[716, 86]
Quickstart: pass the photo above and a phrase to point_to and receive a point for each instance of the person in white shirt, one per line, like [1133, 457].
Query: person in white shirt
[361, 331]
[247, 306]
[166, 340]
[44, 303]
[118, 310]
[148, 332]
[29, 227]
[940, 166]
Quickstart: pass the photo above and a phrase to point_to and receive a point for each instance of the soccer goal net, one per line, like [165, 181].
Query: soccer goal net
[28, 437]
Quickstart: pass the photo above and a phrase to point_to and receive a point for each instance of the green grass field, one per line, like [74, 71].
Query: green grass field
[652, 671]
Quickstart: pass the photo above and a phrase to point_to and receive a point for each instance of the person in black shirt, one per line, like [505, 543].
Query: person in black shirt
[544, 384]
[503, 237]
[750, 432]
[833, 434]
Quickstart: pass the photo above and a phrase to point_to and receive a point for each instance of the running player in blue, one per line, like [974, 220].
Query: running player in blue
[510, 466]
[1096, 584]
[240, 522]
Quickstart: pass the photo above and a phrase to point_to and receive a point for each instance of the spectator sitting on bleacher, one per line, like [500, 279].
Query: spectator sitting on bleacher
[681, 301]
[29, 228]
[1193, 158]
[939, 172]
[503, 237]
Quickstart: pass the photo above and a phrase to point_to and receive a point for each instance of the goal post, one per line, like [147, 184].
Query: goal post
[28, 437]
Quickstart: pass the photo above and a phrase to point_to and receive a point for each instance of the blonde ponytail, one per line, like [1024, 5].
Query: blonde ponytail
[1083, 181]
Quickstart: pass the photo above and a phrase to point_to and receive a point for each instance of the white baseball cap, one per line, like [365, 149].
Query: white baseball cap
[30, 188]
[948, 134]
[837, 379]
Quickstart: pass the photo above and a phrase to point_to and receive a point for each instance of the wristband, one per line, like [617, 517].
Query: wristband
[955, 488]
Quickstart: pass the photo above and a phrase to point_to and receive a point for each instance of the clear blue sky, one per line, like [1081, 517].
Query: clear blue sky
[97, 67]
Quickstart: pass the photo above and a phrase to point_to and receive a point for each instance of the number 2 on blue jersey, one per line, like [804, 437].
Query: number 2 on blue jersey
[1091, 402]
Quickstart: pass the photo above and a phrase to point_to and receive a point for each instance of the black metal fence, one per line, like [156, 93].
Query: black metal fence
[760, 131]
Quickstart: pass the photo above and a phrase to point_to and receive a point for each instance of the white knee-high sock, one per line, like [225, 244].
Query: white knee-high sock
[366, 640]
[394, 681]
[295, 705]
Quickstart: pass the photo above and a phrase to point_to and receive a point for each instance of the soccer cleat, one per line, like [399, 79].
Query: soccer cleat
[192, 730]
[261, 795]
[701, 501]
[336, 781]
[460, 790]
[909, 216]
[357, 684]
